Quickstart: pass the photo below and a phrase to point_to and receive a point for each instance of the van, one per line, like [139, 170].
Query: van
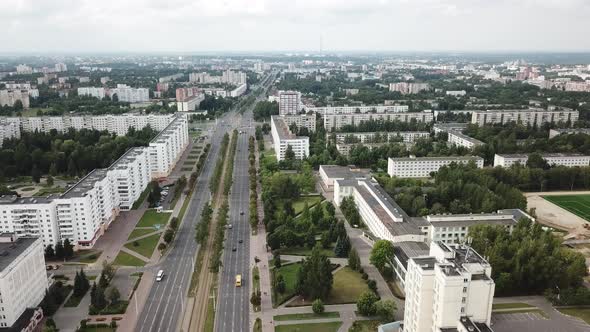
[238, 280]
[160, 275]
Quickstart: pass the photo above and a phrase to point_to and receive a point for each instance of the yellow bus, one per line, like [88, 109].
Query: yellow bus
[238, 280]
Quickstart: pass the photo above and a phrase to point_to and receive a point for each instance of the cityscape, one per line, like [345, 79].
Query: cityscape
[269, 166]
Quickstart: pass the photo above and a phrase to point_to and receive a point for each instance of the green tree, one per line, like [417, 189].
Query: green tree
[354, 261]
[342, 246]
[112, 295]
[68, 249]
[381, 253]
[36, 174]
[49, 252]
[314, 279]
[385, 309]
[155, 193]
[281, 286]
[366, 303]
[50, 181]
[255, 298]
[59, 250]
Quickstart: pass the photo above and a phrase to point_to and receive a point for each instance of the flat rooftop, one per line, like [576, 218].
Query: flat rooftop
[544, 155]
[465, 137]
[451, 158]
[406, 250]
[9, 251]
[426, 263]
[344, 172]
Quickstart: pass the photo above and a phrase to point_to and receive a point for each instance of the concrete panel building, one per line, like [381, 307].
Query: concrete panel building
[282, 138]
[531, 116]
[289, 102]
[359, 109]
[333, 122]
[459, 139]
[421, 167]
[558, 159]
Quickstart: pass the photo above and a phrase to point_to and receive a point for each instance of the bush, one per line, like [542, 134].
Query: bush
[385, 309]
[318, 306]
[365, 276]
[366, 304]
[135, 244]
[372, 285]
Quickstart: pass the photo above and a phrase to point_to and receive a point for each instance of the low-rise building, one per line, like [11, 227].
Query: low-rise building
[558, 159]
[190, 104]
[459, 139]
[422, 167]
[456, 93]
[531, 116]
[345, 148]
[561, 131]
[334, 122]
[445, 127]
[451, 289]
[23, 279]
[239, 90]
[283, 138]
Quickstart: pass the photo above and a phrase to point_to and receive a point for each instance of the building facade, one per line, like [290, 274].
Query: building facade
[531, 116]
[359, 109]
[289, 102]
[557, 159]
[283, 138]
[422, 167]
[380, 137]
[23, 279]
[333, 122]
[459, 139]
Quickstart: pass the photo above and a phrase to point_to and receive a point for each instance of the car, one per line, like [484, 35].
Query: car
[241, 213]
[229, 226]
[234, 249]
[240, 241]
[160, 275]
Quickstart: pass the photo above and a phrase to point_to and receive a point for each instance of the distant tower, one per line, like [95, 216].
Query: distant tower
[321, 43]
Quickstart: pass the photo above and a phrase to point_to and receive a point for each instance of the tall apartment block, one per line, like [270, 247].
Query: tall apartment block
[452, 289]
[289, 102]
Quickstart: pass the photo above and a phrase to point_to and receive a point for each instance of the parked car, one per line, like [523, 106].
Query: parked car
[160, 275]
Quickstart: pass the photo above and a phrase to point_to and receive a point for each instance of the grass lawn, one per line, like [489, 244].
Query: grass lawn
[347, 287]
[47, 191]
[289, 272]
[307, 316]
[523, 310]
[151, 218]
[582, 313]
[27, 189]
[186, 169]
[318, 327]
[145, 246]
[576, 204]
[365, 326]
[304, 251]
[257, 325]
[499, 306]
[300, 203]
[140, 232]
[125, 259]
[86, 256]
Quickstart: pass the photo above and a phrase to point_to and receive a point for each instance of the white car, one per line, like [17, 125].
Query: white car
[160, 275]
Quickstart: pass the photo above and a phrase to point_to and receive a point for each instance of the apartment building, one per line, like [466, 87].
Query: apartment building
[359, 109]
[8, 131]
[239, 90]
[459, 139]
[289, 102]
[128, 94]
[10, 97]
[99, 93]
[531, 116]
[378, 137]
[185, 93]
[228, 77]
[451, 289]
[85, 210]
[301, 121]
[333, 122]
[118, 124]
[282, 138]
[422, 167]
[23, 281]
[568, 131]
[408, 88]
[190, 103]
[456, 93]
[345, 148]
[170, 78]
[445, 127]
[557, 159]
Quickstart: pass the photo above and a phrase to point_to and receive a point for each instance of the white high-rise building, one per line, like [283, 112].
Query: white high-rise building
[128, 94]
[23, 279]
[92, 91]
[289, 102]
[282, 139]
[408, 88]
[451, 288]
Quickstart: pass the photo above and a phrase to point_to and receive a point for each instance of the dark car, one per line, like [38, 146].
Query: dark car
[241, 213]
[240, 241]
[234, 249]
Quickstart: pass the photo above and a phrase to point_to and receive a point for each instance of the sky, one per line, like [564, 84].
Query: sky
[39, 26]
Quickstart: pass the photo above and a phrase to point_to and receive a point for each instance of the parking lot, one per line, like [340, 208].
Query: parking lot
[535, 322]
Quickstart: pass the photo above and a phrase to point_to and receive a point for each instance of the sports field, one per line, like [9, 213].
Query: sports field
[576, 204]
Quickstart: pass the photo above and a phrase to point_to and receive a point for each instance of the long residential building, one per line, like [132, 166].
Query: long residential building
[422, 167]
[408, 88]
[359, 109]
[85, 210]
[568, 131]
[118, 124]
[301, 121]
[334, 122]
[345, 148]
[23, 282]
[128, 94]
[283, 138]
[449, 290]
[531, 116]
[9, 130]
[92, 92]
[557, 159]
[379, 137]
[459, 139]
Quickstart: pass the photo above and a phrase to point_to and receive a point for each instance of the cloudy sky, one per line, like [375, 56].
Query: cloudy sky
[293, 25]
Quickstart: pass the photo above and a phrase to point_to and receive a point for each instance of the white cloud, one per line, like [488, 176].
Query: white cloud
[200, 25]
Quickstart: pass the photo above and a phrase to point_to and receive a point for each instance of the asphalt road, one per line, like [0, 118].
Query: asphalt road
[165, 303]
[233, 304]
